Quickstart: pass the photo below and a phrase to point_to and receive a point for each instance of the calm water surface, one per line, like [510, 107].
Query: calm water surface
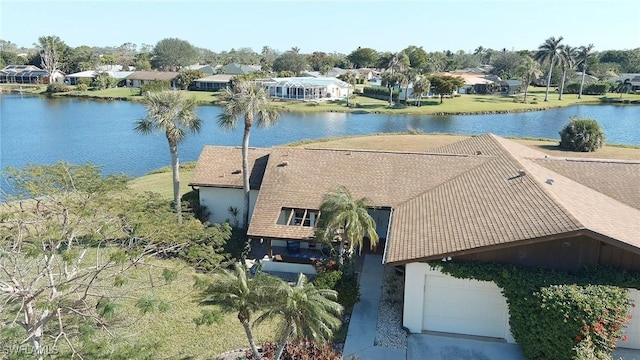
[42, 130]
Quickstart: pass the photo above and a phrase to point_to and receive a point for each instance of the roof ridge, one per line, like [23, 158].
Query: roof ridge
[519, 161]
[398, 152]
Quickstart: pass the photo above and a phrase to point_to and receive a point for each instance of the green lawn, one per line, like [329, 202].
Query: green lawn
[203, 97]
[463, 104]
[161, 181]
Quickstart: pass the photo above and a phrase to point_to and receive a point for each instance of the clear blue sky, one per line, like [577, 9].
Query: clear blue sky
[328, 26]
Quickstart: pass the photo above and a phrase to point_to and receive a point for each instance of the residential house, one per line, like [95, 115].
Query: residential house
[485, 198]
[366, 73]
[307, 88]
[206, 69]
[212, 83]
[510, 87]
[474, 83]
[72, 79]
[634, 78]
[28, 74]
[240, 69]
[138, 78]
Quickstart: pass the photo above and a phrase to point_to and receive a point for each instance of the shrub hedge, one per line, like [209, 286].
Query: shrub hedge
[558, 315]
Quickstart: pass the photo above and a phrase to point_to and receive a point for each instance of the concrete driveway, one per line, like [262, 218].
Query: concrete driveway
[434, 347]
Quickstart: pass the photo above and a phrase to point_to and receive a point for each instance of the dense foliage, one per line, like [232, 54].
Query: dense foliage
[379, 92]
[583, 135]
[155, 86]
[57, 88]
[555, 314]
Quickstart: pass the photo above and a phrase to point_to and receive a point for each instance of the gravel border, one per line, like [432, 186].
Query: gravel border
[389, 332]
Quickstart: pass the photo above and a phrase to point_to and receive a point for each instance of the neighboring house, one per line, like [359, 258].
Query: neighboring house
[366, 73]
[239, 69]
[307, 88]
[510, 87]
[138, 78]
[474, 83]
[633, 77]
[212, 83]
[206, 69]
[28, 74]
[485, 198]
[72, 79]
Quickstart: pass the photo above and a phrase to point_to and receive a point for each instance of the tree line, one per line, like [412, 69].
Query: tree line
[173, 53]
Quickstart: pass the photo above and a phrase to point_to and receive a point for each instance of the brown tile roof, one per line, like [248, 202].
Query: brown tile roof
[481, 192]
[220, 166]
[153, 75]
[387, 178]
[493, 205]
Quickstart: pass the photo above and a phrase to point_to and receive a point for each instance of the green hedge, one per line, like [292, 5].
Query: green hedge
[345, 284]
[588, 89]
[559, 315]
[379, 91]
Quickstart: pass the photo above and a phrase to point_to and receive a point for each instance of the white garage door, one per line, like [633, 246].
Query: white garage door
[464, 306]
[633, 329]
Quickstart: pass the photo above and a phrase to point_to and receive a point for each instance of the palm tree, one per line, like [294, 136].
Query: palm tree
[421, 86]
[340, 213]
[624, 87]
[306, 312]
[252, 102]
[567, 62]
[237, 292]
[175, 115]
[350, 79]
[389, 79]
[549, 51]
[410, 75]
[583, 56]
[529, 69]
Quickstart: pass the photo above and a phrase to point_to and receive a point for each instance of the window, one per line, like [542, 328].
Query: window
[298, 217]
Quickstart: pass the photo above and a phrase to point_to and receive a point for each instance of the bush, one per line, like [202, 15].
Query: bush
[155, 86]
[298, 349]
[82, 87]
[103, 81]
[572, 88]
[591, 317]
[344, 283]
[596, 89]
[57, 88]
[581, 135]
[379, 91]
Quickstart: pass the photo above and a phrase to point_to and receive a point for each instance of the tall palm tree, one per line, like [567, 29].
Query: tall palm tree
[567, 62]
[250, 101]
[584, 54]
[528, 69]
[175, 115]
[340, 213]
[236, 291]
[549, 51]
[420, 87]
[306, 312]
[350, 79]
[389, 79]
[410, 75]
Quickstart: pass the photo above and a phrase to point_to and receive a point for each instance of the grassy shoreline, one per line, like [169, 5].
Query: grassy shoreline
[463, 105]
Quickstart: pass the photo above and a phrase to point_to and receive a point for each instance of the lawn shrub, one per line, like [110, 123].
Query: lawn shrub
[103, 81]
[379, 92]
[57, 88]
[597, 88]
[299, 349]
[555, 314]
[155, 86]
[582, 135]
[82, 87]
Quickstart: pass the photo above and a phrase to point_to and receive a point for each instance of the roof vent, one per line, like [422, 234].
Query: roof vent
[284, 163]
[522, 173]
[478, 152]
[549, 181]
[236, 172]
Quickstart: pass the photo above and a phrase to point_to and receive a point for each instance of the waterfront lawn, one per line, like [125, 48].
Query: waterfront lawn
[125, 93]
[161, 181]
[462, 104]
